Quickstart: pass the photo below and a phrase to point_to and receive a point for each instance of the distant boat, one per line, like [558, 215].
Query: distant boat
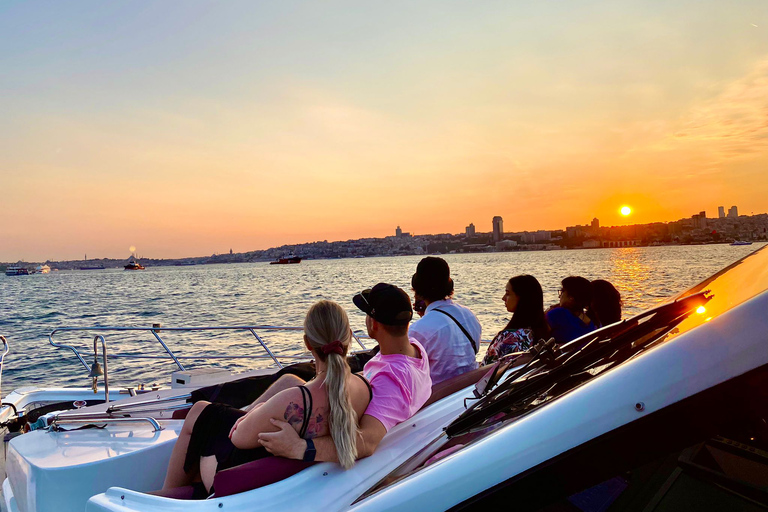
[286, 261]
[93, 267]
[741, 242]
[134, 265]
[42, 269]
[15, 270]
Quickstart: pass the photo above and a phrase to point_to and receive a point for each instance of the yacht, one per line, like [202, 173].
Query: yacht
[42, 269]
[665, 410]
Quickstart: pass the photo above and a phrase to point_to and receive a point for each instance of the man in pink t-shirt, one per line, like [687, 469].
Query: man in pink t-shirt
[398, 374]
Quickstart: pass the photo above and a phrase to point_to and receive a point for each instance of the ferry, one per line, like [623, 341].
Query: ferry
[665, 410]
[16, 270]
[286, 261]
[134, 265]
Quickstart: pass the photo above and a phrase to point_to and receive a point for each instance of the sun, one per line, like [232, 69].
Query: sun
[625, 210]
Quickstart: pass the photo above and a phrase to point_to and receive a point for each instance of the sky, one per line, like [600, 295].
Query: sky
[186, 128]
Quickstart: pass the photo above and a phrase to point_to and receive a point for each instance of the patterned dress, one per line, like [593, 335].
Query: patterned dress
[506, 342]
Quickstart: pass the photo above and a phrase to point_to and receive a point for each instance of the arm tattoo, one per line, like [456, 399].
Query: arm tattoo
[294, 415]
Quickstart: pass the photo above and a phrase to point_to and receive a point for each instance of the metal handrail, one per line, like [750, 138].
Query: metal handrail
[6, 349]
[69, 420]
[155, 331]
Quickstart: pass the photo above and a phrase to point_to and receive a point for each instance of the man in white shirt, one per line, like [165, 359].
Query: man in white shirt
[449, 332]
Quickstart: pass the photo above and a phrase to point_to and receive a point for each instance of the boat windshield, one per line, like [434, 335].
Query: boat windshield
[555, 372]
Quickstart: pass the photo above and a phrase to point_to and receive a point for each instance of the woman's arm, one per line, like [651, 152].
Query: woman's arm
[286, 405]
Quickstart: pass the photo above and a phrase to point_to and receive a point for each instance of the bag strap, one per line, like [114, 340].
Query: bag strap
[471, 341]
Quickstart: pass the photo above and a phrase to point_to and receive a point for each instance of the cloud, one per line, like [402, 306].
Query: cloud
[733, 124]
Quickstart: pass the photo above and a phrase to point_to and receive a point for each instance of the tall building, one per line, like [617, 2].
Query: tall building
[702, 220]
[470, 230]
[498, 229]
[721, 212]
[733, 212]
[595, 223]
[398, 232]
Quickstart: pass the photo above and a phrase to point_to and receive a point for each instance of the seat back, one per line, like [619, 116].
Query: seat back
[454, 384]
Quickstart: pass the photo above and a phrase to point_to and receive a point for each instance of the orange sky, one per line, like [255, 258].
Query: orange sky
[254, 126]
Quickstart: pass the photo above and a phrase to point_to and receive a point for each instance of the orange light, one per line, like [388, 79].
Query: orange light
[701, 310]
[625, 210]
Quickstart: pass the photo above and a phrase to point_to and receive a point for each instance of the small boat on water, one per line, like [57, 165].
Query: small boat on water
[16, 270]
[741, 242]
[286, 261]
[134, 265]
[665, 410]
[42, 269]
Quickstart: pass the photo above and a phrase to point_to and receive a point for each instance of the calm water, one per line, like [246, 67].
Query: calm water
[259, 293]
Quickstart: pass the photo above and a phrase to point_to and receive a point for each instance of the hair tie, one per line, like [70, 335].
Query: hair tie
[334, 347]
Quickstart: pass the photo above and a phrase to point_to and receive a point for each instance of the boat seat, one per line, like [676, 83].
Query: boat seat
[454, 384]
[255, 474]
[242, 478]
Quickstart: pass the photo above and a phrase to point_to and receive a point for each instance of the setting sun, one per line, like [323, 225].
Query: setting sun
[625, 210]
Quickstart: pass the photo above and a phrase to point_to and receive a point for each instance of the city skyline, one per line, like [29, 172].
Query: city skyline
[253, 125]
[698, 220]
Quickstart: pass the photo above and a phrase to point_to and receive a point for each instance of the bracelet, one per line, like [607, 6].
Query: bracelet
[310, 452]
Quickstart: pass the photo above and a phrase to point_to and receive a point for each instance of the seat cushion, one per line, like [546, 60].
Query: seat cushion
[258, 473]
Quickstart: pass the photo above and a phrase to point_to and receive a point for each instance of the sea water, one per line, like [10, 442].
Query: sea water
[262, 294]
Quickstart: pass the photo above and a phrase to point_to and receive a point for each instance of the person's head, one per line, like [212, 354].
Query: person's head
[432, 280]
[576, 293]
[525, 300]
[388, 310]
[327, 334]
[606, 303]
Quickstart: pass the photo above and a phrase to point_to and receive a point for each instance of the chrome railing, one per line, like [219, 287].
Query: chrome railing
[2, 356]
[156, 330]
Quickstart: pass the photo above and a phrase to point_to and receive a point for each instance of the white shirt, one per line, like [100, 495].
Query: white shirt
[450, 352]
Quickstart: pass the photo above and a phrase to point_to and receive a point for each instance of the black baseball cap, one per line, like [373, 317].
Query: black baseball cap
[385, 303]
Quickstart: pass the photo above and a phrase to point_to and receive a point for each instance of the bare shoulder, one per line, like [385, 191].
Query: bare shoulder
[359, 394]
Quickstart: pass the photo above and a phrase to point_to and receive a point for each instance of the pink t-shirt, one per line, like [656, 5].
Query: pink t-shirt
[401, 385]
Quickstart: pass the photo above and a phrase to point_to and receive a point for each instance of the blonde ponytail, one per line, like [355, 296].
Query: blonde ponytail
[325, 323]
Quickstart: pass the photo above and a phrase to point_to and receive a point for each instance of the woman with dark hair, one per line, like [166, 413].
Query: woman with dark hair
[568, 320]
[605, 308]
[524, 299]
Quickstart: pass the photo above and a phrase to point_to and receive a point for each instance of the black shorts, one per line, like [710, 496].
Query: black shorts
[210, 436]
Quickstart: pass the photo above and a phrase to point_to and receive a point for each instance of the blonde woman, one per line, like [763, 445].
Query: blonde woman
[215, 436]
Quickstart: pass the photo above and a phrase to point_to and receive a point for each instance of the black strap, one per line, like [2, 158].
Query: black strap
[471, 341]
[367, 384]
[307, 410]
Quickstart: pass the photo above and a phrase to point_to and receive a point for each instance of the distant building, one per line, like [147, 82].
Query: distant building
[595, 223]
[721, 212]
[498, 229]
[398, 232]
[470, 230]
[733, 212]
[702, 220]
[505, 245]
[230, 250]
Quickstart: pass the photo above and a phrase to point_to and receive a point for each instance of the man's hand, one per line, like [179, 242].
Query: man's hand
[285, 442]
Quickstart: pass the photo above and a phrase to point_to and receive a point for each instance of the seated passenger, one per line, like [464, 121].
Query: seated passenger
[216, 436]
[605, 308]
[399, 376]
[449, 332]
[568, 319]
[524, 299]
